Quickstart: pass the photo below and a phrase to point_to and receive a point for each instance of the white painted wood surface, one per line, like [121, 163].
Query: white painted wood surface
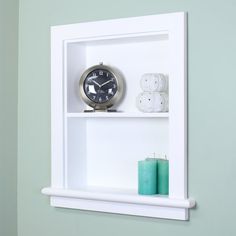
[118, 115]
[88, 152]
[121, 202]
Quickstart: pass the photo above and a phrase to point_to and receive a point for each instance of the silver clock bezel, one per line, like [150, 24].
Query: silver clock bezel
[114, 100]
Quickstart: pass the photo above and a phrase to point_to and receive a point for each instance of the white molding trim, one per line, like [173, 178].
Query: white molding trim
[136, 205]
[121, 198]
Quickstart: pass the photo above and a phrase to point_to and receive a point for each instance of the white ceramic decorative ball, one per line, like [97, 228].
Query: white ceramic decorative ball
[152, 102]
[154, 82]
[160, 102]
[145, 102]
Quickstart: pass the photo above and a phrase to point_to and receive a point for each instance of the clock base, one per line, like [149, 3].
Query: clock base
[101, 110]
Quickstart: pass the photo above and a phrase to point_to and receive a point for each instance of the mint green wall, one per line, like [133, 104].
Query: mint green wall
[8, 115]
[212, 116]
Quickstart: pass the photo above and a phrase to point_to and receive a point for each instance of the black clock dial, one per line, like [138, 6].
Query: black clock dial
[100, 85]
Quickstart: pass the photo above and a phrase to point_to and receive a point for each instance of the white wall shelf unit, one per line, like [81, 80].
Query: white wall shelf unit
[94, 155]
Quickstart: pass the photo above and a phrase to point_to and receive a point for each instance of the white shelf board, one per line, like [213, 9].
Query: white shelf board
[120, 196]
[117, 115]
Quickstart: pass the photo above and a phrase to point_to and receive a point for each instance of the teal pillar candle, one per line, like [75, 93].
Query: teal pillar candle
[163, 177]
[147, 177]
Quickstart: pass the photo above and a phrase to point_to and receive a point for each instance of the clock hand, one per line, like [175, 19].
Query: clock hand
[106, 83]
[97, 83]
[93, 77]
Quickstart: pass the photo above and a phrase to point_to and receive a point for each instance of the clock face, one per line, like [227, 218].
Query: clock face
[100, 86]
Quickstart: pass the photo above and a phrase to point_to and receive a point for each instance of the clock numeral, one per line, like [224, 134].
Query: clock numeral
[100, 99]
[94, 97]
[94, 74]
[114, 86]
[107, 98]
[110, 92]
[100, 72]
[107, 74]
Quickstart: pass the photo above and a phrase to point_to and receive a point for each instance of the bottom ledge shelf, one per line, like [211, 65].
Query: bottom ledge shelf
[121, 202]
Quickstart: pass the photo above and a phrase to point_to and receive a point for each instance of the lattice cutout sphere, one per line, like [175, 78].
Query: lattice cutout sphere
[154, 82]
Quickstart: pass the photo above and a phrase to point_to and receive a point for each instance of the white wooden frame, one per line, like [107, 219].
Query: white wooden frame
[177, 204]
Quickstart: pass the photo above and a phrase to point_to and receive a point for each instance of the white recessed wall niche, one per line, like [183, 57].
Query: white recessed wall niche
[94, 155]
